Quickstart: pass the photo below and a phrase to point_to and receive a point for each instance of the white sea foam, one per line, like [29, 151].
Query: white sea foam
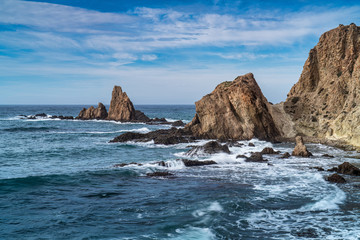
[193, 233]
[137, 130]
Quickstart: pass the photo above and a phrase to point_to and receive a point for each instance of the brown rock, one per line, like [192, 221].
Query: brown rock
[347, 168]
[324, 102]
[93, 113]
[336, 178]
[269, 150]
[234, 110]
[285, 155]
[300, 149]
[209, 148]
[255, 157]
[121, 108]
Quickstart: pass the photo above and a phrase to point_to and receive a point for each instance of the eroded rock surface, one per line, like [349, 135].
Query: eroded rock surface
[208, 148]
[300, 148]
[234, 110]
[336, 178]
[93, 113]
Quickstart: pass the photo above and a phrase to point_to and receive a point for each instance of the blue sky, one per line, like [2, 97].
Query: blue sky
[160, 52]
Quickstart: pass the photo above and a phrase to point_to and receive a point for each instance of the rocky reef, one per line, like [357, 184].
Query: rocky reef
[234, 110]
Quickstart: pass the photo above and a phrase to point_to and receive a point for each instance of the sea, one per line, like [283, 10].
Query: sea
[59, 180]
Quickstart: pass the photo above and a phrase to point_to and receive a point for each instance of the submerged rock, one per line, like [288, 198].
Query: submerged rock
[162, 136]
[195, 163]
[234, 110]
[209, 148]
[285, 155]
[93, 113]
[300, 149]
[159, 174]
[336, 178]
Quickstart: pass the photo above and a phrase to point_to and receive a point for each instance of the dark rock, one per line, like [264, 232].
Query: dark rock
[162, 136]
[306, 233]
[233, 143]
[269, 150]
[195, 163]
[300, 149]
[327, 155]
[241, 156]
[159, 174]
[40, 115]
[141, 117]
[336, 178]
[209, 148]
[349, 169]
[320, 169]
[159, 120]
[251, 145]
[31, 117]
[161, 163]
[285, 155]
[127, 164]
[178, 123]
[256, 157]
[334, 169]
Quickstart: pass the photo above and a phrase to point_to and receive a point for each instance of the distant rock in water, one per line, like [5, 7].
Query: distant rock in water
[211, 147]
[300, 148]
[234, 110]
[336, 178]
[93, 113]
[122, 109]
[324, 103]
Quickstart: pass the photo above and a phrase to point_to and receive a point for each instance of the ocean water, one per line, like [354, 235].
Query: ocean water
[58, 181]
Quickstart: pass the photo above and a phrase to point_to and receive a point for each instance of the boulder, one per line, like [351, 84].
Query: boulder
[269, 150]
[234, 110]
[336, 178]
[92, 113]
[209, 148]
[347, 168]
[300, 149]
[256, 157]
[285, 155]
[324, 103]
[195, 163]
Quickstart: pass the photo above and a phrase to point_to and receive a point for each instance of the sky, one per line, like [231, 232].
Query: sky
[159, 52]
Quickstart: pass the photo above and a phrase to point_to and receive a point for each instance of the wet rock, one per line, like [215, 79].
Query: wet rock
[269, 150]
[234, 110]
[161, 164]
[40, 115]
[195, 163]
[300, 149]
[159, 174]
[336, 178]
[241, 156]
[233, 143]
[306, 233]
[349, 169]
[327, 155]
[251, 145]
[141, 117]
[320, 169]
[162, 136]
[334, 169]
[285, 155]
[127, 164]
[256, 157]
[178, 123]
[92, 113]
[209, 148]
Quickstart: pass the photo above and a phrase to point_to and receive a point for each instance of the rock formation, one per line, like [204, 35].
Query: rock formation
[234, 110]
[324, 103]
[300, 148]
[336, 178]
[211, 147]
[93, 113]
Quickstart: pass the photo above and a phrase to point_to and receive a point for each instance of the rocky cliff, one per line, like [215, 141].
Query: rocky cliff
[324, 103]
[93, 113]
[234, 110]
[121, 108]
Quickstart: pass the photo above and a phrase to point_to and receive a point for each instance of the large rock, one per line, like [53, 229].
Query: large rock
[234, 110]
[324, 103]
[121, 108]
[93, 113]
[347, 168]
[300, 148]
[211, 147]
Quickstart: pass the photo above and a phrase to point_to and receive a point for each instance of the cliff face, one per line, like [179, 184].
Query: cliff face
[121, 108]
[93, 113]
[325, 102]
[234, 110]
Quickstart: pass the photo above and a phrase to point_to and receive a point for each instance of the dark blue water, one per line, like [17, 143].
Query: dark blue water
[58, 181]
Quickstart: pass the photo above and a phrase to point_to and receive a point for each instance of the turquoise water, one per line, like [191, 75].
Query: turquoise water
[58, 181]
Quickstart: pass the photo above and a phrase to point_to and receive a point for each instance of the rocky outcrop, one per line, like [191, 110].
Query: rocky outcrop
[346, 168]
[324, 103]
[234, 110]
[122, 109]
[211, 147]
[93, 113]
[196, 163]
[256, 157]
[336, 178]
[300, 148]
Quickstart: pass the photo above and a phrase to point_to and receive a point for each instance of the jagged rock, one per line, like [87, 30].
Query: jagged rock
[241, 156]
[300, 149]
[195, 163]
[336, 178]
[256, 157]
[209, 148]
[324, 102]
[121, 108]
[92, 113]
[347, 168]
[251, 145]
[162, 136]
[159, 174]
[178, 123]
[285, 155]
[234, 110]
[269, 150]
[141, 117]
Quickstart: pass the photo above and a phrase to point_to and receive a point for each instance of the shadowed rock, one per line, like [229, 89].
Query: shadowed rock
[336, 178]
[300, 149]
[209, 148]
[256, 157]
[195, 163]
[347, 168]
[269, 150]
[159, 174]
[285, 155]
